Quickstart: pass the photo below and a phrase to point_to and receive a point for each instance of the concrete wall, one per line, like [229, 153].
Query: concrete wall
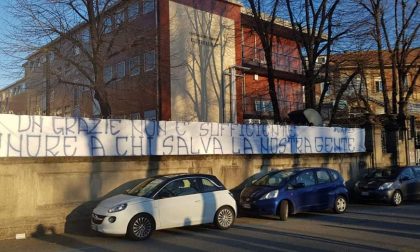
[57, 194]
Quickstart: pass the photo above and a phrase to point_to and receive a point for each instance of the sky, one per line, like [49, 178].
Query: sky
[5, 78]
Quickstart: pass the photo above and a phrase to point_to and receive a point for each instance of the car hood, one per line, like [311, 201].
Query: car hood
[121, 199]
[373, 183]
[254, 192]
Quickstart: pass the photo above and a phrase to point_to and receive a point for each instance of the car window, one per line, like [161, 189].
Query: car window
[147, 187]
[323, 177]
[307, 178]
[274, 178]
[385, 173]
[335, 175]
[179, 187]
[407, 173]
[208, 186]
[417, 171]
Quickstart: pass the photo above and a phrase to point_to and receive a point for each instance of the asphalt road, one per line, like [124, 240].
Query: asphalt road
[362, 228]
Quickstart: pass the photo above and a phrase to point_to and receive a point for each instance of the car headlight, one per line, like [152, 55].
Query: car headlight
[385, 186]
[118, 208]
[270, 195]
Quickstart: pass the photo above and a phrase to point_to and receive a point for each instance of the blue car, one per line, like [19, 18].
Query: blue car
[290, 191]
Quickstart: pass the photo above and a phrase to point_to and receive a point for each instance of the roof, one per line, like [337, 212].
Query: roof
[18, 82]
[267, 17]
[369, 58]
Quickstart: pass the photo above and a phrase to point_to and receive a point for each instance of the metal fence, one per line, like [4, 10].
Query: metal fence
[282, 62]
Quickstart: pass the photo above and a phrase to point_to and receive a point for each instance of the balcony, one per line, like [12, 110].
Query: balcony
[253, 56]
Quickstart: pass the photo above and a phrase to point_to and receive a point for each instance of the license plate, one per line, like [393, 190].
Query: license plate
[246, 205]
[365, 193]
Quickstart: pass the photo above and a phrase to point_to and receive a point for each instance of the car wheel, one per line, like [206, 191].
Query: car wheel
[140, 227]
[284, 210]
[224, 218]
[397, 198]
[340, 205]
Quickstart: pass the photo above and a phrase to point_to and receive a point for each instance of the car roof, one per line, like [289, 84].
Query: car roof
[183, 175]
[298, 169]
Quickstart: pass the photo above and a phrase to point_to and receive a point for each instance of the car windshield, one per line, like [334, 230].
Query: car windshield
[146, 188]
[274, 178]
[385, 174]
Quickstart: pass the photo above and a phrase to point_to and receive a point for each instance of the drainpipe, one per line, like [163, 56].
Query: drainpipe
[157, 62]
[232, 74]
[234, 113]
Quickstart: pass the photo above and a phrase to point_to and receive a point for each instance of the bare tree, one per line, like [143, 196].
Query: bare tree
[342, 88]
[395, 29]
[319, 25]
[265, 14]
[65, 28]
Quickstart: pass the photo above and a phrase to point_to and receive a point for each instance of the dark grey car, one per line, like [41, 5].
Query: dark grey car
[390, 185]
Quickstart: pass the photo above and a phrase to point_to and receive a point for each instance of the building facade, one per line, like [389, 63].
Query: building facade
[184, 60]
[365, 91]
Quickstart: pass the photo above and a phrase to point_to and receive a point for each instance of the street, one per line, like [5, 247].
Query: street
[372, 227]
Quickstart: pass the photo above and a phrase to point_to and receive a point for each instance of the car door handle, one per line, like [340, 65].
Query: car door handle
[196, 201]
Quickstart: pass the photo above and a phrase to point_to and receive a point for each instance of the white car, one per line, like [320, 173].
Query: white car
[166, 202]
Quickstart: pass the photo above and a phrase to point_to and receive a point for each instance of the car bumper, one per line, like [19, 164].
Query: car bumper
[376, 195]
[260, 207]
[100, 222]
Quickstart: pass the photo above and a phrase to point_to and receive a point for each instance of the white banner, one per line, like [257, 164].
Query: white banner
[44, 136]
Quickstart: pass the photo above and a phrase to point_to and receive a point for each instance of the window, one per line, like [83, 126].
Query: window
[273, 178]
[378, 85]
[263, 106]
[417, 171]
[408, 172]
[33, 65]
[335, 175]
[107, 73]
[179, 187]
[108, 25]
[321, 60]
[150, 115]
[149, 61]
[52, 95]
[76, 50]
[52, 56]
[119, 18]
[135, 116]
[405, 82]
[383, 141]
[121, 70]
[85, 36]
[133, 11]
[323, 177]
[208, 186]
[134, 66]
[43, 59]
[67, 111]
[148, 6]
[307, 178]
[323, 86]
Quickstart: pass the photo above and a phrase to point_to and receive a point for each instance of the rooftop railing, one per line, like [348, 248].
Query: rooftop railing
[282, 62]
